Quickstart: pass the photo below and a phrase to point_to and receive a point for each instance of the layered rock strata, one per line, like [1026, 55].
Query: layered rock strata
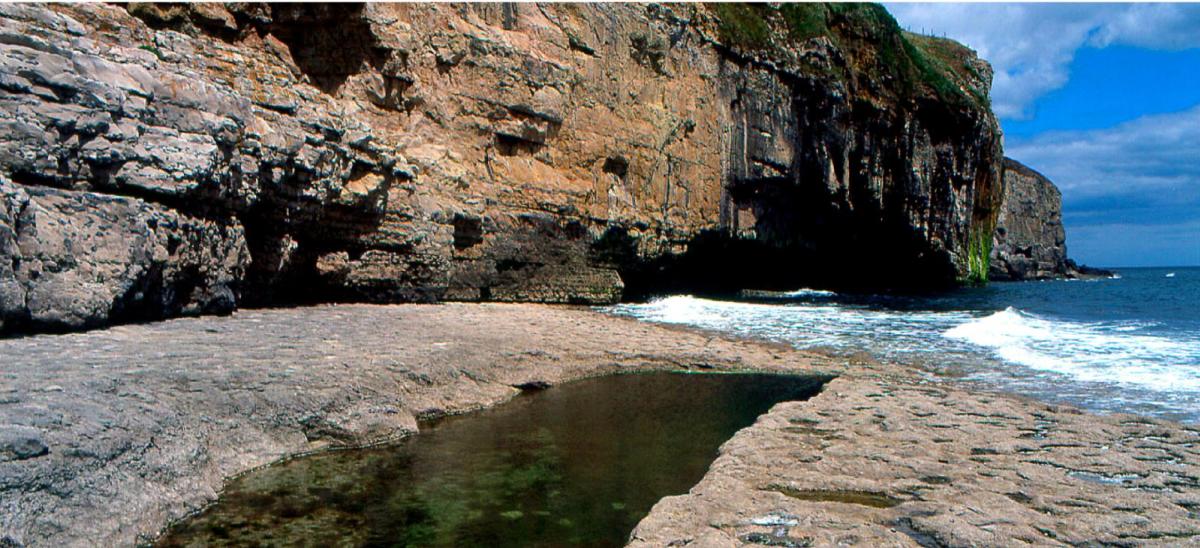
[1030, 242]
[491, 152]
[87, 259]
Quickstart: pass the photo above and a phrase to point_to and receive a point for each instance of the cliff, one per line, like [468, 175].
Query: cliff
[159, 160]
[1030, 242]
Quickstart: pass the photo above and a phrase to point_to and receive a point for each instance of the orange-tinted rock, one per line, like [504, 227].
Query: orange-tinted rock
[394, 152]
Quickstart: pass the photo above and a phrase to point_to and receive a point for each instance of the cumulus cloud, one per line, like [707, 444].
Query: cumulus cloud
[1140, 173]
[1031, 46]
[1149, 159]
[1155, 26]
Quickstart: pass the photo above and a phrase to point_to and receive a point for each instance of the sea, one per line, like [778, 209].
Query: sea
[1130, 343]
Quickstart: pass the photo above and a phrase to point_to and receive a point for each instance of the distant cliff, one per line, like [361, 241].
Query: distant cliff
[1030, 242]
[159, 160]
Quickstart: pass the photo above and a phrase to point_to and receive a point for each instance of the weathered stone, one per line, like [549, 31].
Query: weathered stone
[144, 423]
[888, 459]
[663, 154]
[1030, 242]
[20, 443]
[80, 259]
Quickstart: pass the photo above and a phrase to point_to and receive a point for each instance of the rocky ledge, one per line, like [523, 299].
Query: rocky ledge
[895, 459]
[107, 436]
[160, 160]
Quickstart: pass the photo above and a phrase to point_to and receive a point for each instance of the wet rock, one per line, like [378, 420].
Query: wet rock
[924, 480]
[145, 422]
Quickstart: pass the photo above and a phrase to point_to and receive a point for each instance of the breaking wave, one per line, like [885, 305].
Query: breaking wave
[1097, 352]
[1108, 347]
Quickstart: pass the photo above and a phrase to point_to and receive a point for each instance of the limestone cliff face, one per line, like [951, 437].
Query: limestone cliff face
[162, 160]
[1030, 242]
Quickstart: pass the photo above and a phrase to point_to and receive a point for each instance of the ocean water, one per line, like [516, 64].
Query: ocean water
[1126, 344]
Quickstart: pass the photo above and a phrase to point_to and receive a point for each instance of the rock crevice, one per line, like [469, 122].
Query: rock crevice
[572, 154]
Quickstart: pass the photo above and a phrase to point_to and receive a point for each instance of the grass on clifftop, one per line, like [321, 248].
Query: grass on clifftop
[869, 36]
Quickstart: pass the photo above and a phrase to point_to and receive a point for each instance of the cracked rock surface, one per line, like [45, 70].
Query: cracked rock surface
[892, 459]
[107, 436]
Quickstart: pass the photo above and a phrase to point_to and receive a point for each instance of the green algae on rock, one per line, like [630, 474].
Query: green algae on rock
[578, 464]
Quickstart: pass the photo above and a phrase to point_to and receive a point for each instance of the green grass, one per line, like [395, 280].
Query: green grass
[945, 64]
[805, 20]
[744, 25]
[914, 62]
[152, 49]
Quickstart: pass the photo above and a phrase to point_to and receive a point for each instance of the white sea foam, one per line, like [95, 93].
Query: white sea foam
[806, 292]
[804, 325]
[1110, 353]
[1087, 352]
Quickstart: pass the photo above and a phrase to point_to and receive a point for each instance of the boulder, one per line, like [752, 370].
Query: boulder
[71, 260]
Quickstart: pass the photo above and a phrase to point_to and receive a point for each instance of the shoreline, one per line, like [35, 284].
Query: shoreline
[144, 424]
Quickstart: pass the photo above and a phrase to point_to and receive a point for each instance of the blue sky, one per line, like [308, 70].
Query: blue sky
[1104, 99]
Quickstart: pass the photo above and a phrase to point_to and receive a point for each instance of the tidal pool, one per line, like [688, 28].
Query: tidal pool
[577, 464]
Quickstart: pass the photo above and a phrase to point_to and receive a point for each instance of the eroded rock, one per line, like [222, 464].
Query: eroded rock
[561, 154]
[81, 259]
[20, 443]
[1030, 242]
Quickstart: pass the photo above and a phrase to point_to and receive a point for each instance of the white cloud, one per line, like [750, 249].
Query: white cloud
[1155, 26]
[1031, 46]
[1131, 192]
[1153, 158]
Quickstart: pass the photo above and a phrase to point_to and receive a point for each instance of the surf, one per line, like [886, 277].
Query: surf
[1092, 352]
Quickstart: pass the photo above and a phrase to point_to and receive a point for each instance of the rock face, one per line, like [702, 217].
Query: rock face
[80, 259]
[272, 154]
[1030, 243]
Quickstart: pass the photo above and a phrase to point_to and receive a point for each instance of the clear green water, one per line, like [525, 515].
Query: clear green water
[579, 464]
